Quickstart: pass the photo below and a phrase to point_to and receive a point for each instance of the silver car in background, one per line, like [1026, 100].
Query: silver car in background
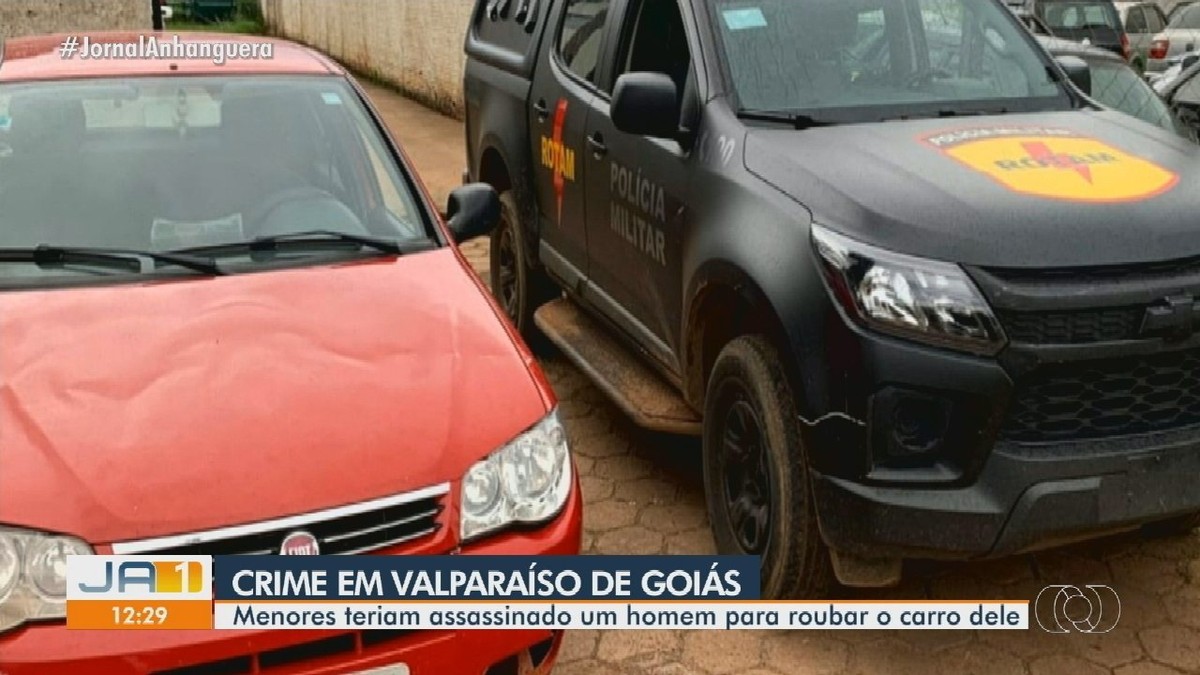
[1142, 21]
[1182, 35]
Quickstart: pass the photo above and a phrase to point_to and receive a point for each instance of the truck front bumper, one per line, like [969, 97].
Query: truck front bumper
[981, 494]
[1018, 503]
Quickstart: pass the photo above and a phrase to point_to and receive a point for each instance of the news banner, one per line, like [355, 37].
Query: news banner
[476, 592]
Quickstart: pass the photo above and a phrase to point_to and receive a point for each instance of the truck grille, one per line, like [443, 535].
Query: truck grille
[357, 528]
[1092, 400]
[1073, 327]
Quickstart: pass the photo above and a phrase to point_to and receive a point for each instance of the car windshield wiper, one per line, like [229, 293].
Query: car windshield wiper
[121, 259]
[797, 120]
[319, 238]
[949, 112]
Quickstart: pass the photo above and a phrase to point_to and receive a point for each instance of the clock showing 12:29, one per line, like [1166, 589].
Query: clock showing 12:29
[146, 615]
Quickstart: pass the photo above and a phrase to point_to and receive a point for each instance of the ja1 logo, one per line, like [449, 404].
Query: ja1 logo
[1093, 608]
[139, 577]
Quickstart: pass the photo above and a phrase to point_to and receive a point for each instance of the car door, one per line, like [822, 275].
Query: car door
[563, 88]
[636, 187]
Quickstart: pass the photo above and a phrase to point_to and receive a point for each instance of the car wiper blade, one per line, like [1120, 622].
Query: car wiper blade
[948, 112]
[797, 120]
[951, 112]
[366, 241]
[45, 255]
[272, 243]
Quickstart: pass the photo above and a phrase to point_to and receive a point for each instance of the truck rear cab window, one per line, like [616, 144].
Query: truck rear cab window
[579, 36]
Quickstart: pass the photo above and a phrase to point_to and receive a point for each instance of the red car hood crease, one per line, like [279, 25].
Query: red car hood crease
[137, 411]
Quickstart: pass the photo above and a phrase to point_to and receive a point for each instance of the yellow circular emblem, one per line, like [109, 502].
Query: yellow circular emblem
[1055, 164]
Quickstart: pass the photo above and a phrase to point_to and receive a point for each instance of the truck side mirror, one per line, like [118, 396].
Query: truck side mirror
[646, 104]
[1077, 71]
[473, 211]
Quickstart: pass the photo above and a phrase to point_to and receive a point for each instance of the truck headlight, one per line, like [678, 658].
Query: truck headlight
[526, 481]
[926, 300]
[33, 575]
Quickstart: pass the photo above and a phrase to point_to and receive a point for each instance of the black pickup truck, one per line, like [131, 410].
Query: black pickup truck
[918, 293]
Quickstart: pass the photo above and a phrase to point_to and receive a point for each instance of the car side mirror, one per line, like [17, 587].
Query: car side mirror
[472, 211]
[1190, 60]
[1077, 71]
[646, 104]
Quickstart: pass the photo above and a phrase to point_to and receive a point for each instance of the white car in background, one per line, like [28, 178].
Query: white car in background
[1182, 35]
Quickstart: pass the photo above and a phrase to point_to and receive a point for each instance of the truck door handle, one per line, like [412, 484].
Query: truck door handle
[596, 143]
[541, 110]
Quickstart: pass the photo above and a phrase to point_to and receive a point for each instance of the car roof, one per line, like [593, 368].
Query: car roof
[38, 58]
[1061, 47]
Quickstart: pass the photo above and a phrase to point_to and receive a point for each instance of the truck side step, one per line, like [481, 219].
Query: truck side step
[634, 387]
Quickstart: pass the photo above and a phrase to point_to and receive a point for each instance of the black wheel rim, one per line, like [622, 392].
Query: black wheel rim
[506, 254]
[747, 482]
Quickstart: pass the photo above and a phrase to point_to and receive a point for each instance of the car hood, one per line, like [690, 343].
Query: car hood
[136, 411]
[1044, 190]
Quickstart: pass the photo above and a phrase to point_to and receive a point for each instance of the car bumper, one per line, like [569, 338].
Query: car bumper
[51, 649]
[1019, 503]
[978, 495]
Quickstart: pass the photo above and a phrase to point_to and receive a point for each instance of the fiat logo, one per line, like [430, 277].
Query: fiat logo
[299, 543]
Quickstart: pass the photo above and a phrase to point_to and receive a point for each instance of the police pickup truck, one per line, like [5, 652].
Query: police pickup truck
[920, 296]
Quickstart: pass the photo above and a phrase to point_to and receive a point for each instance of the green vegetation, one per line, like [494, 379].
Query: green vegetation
[245, 17]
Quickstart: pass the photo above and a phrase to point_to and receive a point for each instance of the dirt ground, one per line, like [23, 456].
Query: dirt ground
[643, 494]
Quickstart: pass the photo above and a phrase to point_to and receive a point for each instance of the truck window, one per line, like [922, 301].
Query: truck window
[580, 35]
[657, 42]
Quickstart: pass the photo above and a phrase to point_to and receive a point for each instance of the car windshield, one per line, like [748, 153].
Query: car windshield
[1077, 15]
[162, 164]
[1188, 18]
[866, 60]
[1118, 86]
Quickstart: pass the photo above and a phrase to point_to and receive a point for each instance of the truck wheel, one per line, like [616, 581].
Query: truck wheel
[519, 287]
[756, 474]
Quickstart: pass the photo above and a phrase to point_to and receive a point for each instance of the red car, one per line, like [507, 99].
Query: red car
[231, 322]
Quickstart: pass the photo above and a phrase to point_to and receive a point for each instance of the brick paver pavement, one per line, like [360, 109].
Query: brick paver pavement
[643, 495]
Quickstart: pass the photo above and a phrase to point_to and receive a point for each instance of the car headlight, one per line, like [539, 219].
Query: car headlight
[33, 575]
[926, 300]
[526, 481]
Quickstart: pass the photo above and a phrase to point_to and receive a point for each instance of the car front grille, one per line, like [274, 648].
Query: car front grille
[324, 652]
[1111, 398]
[1073, 327]
[356, 528]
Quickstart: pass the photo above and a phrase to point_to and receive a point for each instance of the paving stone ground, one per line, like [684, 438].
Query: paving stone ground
[643, 495]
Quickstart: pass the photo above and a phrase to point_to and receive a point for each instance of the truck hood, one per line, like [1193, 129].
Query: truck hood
[1035, 190]
[129, 412]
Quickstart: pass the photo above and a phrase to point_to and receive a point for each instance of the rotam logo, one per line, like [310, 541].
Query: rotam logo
[299, 543]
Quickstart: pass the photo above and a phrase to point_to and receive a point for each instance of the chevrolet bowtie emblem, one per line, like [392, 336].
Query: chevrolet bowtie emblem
[1176, 318]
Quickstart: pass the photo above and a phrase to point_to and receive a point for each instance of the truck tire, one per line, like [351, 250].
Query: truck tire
[518, 285]
[756, 474]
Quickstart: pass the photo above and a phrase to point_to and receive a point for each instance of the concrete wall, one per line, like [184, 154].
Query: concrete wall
[415, 45]
[26, 17]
